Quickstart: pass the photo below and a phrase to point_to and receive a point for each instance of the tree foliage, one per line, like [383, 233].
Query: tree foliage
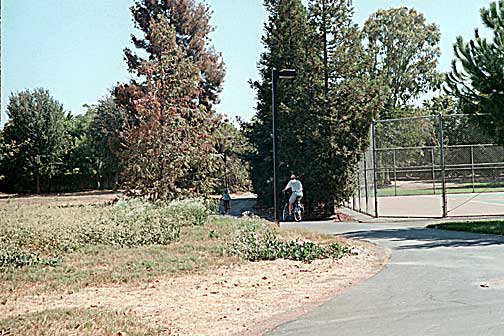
[231, 146]
[343, 113]
[37, 139]
[167, 138]
[286, 45]
[190, 21]
[104, 135]
[404, 50]
[477, 76]
[325, 113]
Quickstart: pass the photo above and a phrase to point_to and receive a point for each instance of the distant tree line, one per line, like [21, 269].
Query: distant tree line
[157, 136]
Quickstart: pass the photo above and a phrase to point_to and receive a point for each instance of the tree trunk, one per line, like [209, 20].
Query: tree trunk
[116, 181]
[38, 183]
[324, 37]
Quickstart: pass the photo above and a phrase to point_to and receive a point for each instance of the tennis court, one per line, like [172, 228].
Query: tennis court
[430, 166]
[470, 204]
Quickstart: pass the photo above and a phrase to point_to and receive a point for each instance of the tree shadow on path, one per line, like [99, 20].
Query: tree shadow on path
[423, 238]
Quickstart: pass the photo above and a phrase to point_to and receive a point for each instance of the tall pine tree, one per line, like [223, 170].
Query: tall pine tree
[325, 113]
[191, 22]
[168, 141]
[477, 76]
[346, 105]
[285, 40]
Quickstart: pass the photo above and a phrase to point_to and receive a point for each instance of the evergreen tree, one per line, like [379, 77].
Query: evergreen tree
[285, 40]
[477, 76]
[325, 113]
[192, 28]
[167, 141]
[169, 135]
[342, 115]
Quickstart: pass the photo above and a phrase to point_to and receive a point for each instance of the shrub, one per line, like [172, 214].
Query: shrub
[136, 224]
[254, 242]
[11, 256]
[187, 212]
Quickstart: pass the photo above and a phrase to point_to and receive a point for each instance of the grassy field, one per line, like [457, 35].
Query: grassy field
[64, 322]
[486, 227]
[46, 249]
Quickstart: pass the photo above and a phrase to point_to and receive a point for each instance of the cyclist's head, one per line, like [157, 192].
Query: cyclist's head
[293, 177]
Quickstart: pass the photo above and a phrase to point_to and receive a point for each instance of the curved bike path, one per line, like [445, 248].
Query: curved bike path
[436, 283]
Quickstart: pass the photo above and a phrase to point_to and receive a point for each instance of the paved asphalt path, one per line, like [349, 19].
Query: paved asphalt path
[436, 283]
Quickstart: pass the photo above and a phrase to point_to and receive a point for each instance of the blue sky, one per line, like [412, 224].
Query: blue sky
[73, 48]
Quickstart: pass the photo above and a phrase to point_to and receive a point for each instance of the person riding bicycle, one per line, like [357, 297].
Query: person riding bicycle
[297, 191]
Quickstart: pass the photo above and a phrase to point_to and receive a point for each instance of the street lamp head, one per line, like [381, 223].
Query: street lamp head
[287, 73]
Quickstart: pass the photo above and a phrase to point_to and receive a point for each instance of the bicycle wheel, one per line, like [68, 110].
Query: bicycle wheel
[297, 215]
[285, 213]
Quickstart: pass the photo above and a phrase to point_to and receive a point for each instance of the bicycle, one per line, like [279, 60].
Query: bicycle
[297, 211]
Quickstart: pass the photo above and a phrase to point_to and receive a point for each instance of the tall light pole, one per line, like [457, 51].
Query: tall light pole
[275, 74]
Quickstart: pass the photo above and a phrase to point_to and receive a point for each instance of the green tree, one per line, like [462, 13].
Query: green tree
[104, 136]
[286, 46]
[477, 76]
[342, 115]
[325, 113]
[231, 146]
[76, 169]
[404, 50]
[36, 127]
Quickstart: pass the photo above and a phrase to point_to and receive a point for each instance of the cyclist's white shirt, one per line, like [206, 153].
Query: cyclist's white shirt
[294, 185]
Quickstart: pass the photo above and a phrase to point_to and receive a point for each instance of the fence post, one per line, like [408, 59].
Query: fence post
[359, 190]
[373, 136]
[442, 163]
[366, 183]
[472, 167]
[395, 172]
[433, 172]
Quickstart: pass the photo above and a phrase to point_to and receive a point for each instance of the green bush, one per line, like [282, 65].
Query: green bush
[12, 257]
[253, 242]
[187, 212]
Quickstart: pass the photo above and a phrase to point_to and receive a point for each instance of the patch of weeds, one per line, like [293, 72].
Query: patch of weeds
[187, 212]
[254, 243]
[56, 231]
[12, 257]
[212, 234]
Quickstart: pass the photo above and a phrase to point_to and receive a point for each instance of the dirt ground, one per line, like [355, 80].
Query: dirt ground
[8, 201]
[245, 299]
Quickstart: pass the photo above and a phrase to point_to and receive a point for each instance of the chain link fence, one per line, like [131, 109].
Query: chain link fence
[430, 166]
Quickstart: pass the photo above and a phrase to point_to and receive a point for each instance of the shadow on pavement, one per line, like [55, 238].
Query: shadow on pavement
[422, 238]
[240, 205]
